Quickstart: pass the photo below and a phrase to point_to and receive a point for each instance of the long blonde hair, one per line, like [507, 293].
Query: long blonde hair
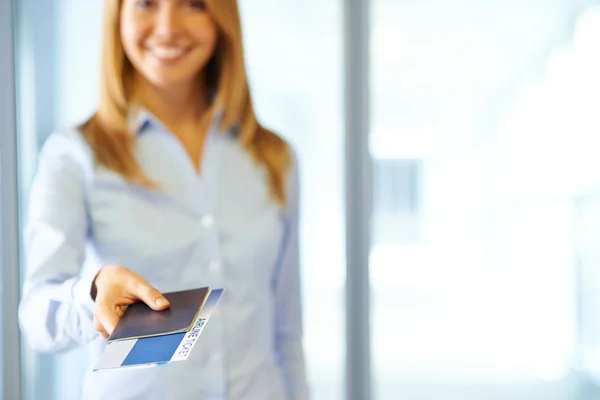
[107, 130]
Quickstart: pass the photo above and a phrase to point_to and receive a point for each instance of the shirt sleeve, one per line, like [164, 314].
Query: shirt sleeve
[56, 309]
[288, 310]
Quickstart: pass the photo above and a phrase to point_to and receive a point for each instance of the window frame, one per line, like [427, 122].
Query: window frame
[9, 211]
[359, 193]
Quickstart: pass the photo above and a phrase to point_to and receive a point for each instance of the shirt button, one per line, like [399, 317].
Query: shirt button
[207, 221]
[214, 266]
[216, 357]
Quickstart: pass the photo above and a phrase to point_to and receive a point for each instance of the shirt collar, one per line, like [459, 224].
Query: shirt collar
[139, 118]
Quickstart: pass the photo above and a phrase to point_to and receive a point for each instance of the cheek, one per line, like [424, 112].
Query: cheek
[208, 49]
[207, 34]
[131, 34]
[209, 41]
[212, 40]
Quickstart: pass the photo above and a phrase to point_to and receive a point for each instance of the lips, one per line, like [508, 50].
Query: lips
[167, 53]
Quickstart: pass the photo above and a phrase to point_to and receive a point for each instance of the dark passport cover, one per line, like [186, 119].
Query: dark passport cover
[140, 321]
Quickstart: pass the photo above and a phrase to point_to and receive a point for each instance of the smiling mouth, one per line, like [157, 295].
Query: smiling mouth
[168, 54]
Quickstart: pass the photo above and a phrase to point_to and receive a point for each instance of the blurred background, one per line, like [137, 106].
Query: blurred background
[483, 216]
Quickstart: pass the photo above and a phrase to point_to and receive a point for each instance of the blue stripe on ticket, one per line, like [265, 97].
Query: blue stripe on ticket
[158, 350]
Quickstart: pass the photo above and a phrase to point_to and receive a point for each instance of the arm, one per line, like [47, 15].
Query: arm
[288, 310]
[55, 312]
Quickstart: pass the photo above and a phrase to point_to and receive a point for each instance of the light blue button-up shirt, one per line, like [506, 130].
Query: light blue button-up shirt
[218, 228]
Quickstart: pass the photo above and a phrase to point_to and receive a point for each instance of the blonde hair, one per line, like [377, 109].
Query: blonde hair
[107, 130]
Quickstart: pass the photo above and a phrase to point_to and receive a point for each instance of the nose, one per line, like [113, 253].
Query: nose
[167, 22]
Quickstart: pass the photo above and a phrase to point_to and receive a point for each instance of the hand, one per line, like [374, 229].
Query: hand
[116, 288]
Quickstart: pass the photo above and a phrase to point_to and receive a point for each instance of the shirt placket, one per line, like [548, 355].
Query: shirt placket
[213, 265]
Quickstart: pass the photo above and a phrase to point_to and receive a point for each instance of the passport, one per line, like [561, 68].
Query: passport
[140, 321]
[146, 338]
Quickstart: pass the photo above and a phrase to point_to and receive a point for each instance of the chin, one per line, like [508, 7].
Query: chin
[167, 81]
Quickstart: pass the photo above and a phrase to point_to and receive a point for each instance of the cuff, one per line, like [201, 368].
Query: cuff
[82, 292]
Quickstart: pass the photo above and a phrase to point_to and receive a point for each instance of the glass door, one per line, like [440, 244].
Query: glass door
[475, 168]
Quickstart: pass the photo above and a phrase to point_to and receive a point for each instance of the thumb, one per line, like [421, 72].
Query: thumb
[149, 295]
[105, 316]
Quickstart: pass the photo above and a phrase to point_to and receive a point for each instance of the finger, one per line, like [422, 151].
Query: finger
[99, 328]
[121, 309]
[106, 315]
[148, 294]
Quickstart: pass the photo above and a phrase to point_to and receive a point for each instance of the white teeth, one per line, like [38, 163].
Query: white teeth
[167, 52]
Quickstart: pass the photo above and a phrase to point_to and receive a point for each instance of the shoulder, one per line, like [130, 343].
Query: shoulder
[292, 179]
[269, 157]
[66, 148]
[67, 141]
[293, 174]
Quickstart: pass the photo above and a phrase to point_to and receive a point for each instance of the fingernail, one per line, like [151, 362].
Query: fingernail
[161, 302]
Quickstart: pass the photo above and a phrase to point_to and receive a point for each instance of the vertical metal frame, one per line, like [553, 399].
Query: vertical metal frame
[9, 216]
[359, 192]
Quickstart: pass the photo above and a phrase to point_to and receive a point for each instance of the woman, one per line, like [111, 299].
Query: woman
[171, 185]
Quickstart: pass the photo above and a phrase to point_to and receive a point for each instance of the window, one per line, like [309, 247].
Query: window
[396, 185]
[483, 132]
[481, 290]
